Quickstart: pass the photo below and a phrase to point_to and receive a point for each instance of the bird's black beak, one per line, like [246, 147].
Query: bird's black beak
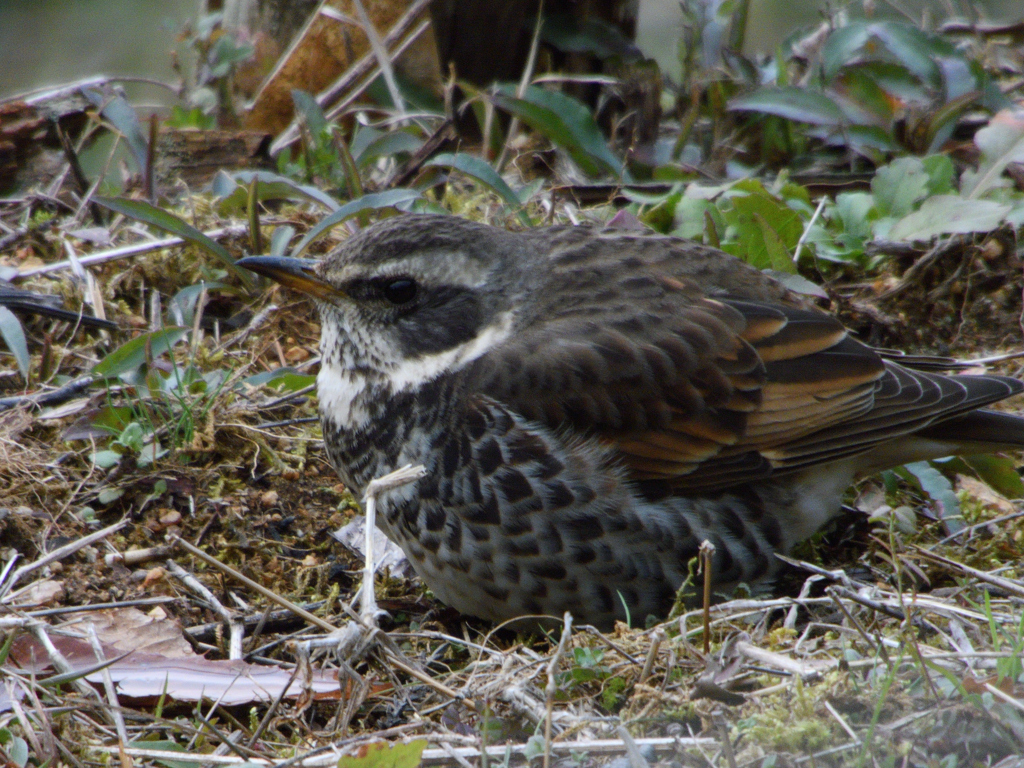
[294, 273]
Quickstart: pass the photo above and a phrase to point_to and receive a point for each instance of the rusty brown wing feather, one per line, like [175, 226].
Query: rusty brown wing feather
[704, 373]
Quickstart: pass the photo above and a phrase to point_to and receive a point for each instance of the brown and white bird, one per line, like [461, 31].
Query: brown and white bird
[592, 404]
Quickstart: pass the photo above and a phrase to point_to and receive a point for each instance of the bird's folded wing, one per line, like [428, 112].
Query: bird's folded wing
[707, 392]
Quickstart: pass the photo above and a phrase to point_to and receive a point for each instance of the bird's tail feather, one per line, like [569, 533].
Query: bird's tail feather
[980, 431]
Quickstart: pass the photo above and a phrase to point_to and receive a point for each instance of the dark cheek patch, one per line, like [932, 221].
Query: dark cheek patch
[443, 318]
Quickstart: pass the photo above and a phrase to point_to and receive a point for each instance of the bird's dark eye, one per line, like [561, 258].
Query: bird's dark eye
[401, 290]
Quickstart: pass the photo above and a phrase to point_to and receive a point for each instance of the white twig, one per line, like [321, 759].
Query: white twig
[235, 624]
[59, 554]
[137, 556]
[108, 687]
[552, 687]
[434, 756]
[358, 76]
[404, 475]
[777, 660]
[1004, 696]
[380, 51]
[125, 251]
[842, 722]
[450, 751]
[57, 659]
[807, 230]
[657, 637]
[524, 82]
[636, 760]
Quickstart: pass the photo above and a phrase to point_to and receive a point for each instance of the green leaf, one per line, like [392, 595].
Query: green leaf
[123, 117]
[941, 172]
[798, 283]
[778, 256]
[791, 103]
[899, 185]
[14, 338]
[587, 35]
[381, 754]
[168, 222]
[935, 484]
[312, 114]
[282, 379]
[765, 229]
[871, 137]
[182, 306]
[940, 125]
[108, 496]
[1001, 142]
[486, 175]
[947, 215]
[862, 99]
[150, 452]
[898, 82]
[108, 420]
[105, 459]
[386, 145]
[534, 747]
[637, 194]
[688, 219]
[232, 189]
[913, 47]
[15, 747]
[1015, 218]
[854, 210]
[842, 46]
[226, 53]
[661, 217]
[283, 234]
[999, 472]
[528, 191]
[566, 122]
[757, 242]
[387, 199]
[958, 79]
[131, 355]
[363, 138]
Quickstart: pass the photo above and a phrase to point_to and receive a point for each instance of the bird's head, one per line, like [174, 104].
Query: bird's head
[411, 297]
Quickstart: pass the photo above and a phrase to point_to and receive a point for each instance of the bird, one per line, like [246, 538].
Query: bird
[592, 404]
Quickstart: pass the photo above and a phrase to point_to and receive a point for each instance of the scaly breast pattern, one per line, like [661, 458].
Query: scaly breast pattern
[513, 519]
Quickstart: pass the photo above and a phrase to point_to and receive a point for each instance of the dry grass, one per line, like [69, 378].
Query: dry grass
[893, 658]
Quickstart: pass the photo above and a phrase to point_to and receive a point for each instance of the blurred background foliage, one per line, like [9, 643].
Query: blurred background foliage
[51, 41]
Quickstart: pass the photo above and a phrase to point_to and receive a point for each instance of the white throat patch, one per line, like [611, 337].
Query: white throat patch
[341, 396]
[344, 393]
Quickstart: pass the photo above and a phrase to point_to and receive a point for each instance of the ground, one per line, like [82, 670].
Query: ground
[258, 496]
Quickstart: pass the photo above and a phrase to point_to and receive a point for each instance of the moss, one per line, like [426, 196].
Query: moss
[787, 735]
[795, 721]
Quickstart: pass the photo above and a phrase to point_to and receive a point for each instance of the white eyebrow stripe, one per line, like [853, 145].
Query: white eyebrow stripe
[444, 268]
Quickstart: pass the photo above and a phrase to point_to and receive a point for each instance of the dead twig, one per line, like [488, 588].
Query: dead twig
[918, 268]
[1012, 587]
[58, 554]
[552, 687]
[135, 249]
[355, 79]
